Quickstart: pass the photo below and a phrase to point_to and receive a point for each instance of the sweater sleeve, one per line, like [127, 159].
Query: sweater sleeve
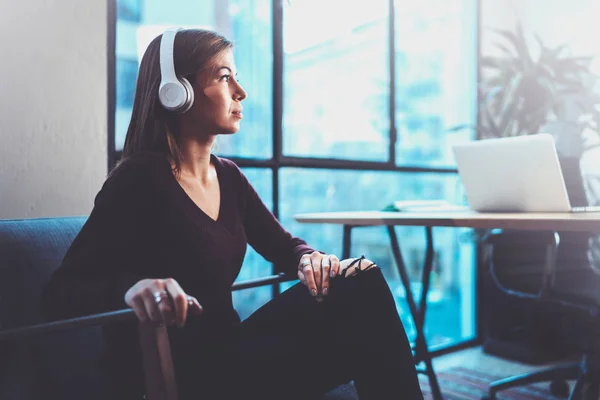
[266, 235]
[103, 261]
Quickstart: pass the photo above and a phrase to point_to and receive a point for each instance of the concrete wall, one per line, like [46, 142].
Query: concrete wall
[53, 106]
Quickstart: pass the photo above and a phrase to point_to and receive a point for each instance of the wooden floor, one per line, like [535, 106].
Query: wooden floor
[475, 358]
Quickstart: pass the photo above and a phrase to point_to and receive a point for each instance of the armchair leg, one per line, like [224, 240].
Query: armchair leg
[159, 374]
[593, 392]
[566, 371]
[584, 390]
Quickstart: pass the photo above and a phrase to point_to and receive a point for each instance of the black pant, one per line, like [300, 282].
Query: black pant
[294, 348]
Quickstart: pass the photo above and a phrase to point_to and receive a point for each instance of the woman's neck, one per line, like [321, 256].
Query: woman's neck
[195, 162]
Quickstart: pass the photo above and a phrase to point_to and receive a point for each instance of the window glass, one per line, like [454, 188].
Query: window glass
[336, 79]
[436, 76]
[451, 310]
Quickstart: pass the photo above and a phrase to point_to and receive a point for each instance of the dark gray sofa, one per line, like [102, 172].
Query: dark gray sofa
[68, 363]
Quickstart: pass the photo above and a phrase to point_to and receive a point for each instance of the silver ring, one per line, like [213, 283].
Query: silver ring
[160, 296]
[190, 301]
[306, 262]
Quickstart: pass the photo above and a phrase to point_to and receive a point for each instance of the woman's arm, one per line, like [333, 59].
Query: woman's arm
[291, 254]
[267, 236]
[106, 258]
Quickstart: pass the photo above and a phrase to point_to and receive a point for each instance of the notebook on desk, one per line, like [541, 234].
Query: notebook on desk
[515, 174]
[424, 206]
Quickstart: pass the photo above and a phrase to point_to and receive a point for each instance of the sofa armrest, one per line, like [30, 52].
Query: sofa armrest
[156, 351]
[267, 280]
[159, 374]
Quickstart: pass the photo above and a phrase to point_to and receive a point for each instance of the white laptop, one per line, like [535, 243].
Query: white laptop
[515, 174]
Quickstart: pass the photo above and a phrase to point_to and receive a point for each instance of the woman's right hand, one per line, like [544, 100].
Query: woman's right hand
[161, 301]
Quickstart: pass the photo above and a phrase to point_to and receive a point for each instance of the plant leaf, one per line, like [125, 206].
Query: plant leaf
[489, 119]
[523, 58]
[462, 127]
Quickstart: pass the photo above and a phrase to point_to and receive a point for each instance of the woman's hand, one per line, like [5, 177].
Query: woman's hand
[161, 301]
[315, 270]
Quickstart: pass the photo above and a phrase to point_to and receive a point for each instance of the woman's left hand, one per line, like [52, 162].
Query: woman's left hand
[315, 270]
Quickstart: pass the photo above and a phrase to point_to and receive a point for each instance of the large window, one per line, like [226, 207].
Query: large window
[349, 108]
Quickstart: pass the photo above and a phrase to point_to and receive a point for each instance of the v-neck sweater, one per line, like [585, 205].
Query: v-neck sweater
[144, 225]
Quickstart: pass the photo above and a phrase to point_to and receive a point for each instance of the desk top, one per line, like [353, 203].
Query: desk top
[560, 221]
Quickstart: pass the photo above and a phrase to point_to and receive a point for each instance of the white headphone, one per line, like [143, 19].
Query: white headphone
[175, 94]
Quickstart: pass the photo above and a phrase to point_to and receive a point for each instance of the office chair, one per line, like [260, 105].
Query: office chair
[568, 284]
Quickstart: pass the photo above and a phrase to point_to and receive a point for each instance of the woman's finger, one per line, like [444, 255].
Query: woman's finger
[179, 299]
[165, 306]
[301, 277]
[140, 309]
[152, 299]
[325, 267]
[309, 276]
[335, 266]
[194, 307]
[315, 259]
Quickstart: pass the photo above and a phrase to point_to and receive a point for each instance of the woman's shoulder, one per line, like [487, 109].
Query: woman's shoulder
[225, 163]
[139, 166]
[230, 169]
[137, 171]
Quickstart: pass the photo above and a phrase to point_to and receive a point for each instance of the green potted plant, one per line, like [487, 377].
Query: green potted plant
[520, 94]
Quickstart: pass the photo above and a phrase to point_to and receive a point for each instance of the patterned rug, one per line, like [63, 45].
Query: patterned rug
[466, 384]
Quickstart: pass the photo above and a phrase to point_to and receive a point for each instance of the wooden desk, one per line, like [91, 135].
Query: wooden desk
[553, 222]
[577, 222]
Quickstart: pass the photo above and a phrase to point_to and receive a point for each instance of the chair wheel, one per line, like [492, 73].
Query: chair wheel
[560, 388]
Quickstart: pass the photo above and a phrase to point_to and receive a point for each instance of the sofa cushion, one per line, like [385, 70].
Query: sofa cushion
[63, 365]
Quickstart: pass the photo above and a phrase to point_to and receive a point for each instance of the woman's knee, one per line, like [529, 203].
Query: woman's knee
[363, 283]
[361, 278]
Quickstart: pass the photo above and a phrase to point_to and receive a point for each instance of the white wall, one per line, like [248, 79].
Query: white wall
[53, 94]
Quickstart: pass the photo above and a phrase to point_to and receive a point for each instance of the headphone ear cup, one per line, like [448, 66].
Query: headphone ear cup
[172, 95]
[189, 98]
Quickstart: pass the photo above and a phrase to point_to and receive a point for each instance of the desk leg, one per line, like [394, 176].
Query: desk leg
[421, 348]
[425, 279]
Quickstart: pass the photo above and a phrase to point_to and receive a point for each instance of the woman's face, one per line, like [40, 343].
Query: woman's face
[218, 96]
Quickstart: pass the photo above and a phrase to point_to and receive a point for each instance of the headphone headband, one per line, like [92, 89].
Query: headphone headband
[167, 64]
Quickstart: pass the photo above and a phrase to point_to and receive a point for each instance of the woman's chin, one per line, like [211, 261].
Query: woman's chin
[231, 130]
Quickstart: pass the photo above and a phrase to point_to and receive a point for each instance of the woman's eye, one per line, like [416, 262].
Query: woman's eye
[225, 78]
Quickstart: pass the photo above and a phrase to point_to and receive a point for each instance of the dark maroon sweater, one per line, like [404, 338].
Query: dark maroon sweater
[144, 225]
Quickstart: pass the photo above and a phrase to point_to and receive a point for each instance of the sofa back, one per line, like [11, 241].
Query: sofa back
[65, 365]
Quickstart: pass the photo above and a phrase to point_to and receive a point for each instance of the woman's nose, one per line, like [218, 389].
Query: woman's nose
[240, 93]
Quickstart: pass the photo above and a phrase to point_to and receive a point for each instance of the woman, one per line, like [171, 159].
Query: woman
[167, 237]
